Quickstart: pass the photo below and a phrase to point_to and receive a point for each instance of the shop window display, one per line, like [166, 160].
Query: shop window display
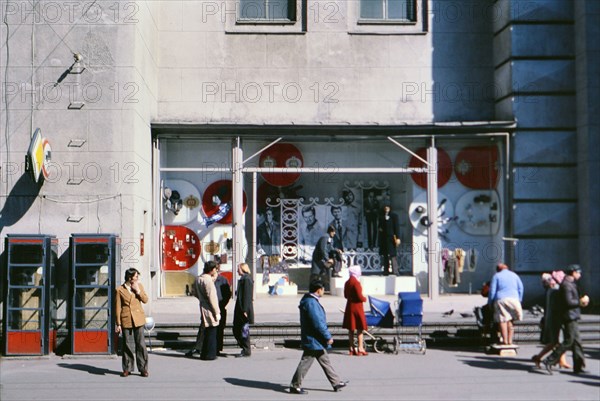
[293, 209]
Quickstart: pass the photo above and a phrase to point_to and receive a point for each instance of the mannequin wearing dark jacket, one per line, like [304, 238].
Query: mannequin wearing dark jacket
[243, 315]
[389, 239]
[569, 312]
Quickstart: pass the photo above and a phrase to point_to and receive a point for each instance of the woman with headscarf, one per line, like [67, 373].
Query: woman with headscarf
[354, 315]
[550, 323]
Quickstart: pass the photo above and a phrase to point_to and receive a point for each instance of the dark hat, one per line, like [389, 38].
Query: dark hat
[573, 268]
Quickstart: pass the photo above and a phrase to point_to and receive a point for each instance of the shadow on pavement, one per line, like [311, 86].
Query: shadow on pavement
[501, 363]
[93, 370]
[256, 384]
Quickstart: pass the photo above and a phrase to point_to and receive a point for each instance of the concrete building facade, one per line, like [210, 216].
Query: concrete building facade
[157, 85]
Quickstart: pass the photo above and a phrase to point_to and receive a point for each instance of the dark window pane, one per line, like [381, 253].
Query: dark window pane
[371, 9]
[32, 254]
[401, 9]
[91, 253]
[25, 275]
[91, 275]
[24, 320]
[253, 9]
[277, 9]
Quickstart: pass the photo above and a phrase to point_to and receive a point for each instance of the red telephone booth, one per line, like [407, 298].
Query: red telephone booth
[94, 261]
[28, 327]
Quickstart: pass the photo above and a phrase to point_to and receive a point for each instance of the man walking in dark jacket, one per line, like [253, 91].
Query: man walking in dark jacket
[569, 313]
[315, 338]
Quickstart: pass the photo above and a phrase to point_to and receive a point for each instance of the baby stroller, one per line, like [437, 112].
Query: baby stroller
[410, 314]
[380, 316]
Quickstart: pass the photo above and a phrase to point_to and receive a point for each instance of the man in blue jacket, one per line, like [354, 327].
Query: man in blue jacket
[316, 338]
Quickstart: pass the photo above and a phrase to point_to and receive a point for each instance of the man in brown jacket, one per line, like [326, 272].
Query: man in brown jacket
[130, 321]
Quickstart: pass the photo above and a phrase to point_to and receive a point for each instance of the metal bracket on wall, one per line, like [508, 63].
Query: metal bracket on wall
[76, 143]
[74, 181]
[74, 219]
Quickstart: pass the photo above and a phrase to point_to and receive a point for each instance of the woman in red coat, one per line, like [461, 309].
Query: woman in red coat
[354, 315]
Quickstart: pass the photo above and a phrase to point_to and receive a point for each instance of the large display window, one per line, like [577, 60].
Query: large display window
[336, 181]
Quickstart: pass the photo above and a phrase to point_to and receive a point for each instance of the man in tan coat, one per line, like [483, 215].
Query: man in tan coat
[130, 321]
[206, 292]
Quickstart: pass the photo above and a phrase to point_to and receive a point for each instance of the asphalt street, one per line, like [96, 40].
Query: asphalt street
[440, 374]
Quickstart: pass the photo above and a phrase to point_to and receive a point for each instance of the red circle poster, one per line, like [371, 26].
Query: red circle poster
[281, 155]
[444, 167]
[216, 195]
[477, 167]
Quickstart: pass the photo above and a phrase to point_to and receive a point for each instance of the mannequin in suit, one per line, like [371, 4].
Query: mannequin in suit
[389, 240]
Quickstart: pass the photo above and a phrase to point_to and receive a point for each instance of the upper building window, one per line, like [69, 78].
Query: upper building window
[264, 16]
[267, 10]
[388, 10]
[387, 17]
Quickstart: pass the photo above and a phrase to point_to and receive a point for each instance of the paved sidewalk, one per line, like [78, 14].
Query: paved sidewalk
[437, 375]
[270, 309]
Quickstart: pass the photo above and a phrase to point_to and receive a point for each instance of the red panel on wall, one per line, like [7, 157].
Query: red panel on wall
[24, 343]
[477, 167]
[444, 167]
[281, 155]
[181, 248]
[224, 191]
[90, 342]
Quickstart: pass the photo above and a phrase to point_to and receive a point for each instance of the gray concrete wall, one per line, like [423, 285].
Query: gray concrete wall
[534, 50]
[329, 73]
[100, 174]
[587, 55]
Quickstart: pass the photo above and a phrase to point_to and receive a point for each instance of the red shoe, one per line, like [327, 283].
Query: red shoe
[363, 352]
[125, 373]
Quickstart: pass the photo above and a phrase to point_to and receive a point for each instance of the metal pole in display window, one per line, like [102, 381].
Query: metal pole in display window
[237, 162]
[433, 246]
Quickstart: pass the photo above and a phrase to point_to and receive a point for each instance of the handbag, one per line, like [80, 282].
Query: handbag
[246, 330]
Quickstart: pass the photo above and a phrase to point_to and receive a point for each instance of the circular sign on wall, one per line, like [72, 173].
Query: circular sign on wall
[444, 167]
[181, 204]
[479, 212]
[38, 156]
[217, 194]
[281, 155]
[181, 248]
[477, 167]
[420, 216]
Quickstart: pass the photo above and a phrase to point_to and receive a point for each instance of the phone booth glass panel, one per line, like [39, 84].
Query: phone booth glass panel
[94, 259]
[28, 307]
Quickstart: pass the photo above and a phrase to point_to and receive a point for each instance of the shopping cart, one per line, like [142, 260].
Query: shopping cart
[409, 313]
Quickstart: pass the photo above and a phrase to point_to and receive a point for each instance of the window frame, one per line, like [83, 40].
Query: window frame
[235, 24]
[384, 26]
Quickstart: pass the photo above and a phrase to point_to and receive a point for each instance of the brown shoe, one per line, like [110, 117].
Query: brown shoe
[145, 373]
[125, 373]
